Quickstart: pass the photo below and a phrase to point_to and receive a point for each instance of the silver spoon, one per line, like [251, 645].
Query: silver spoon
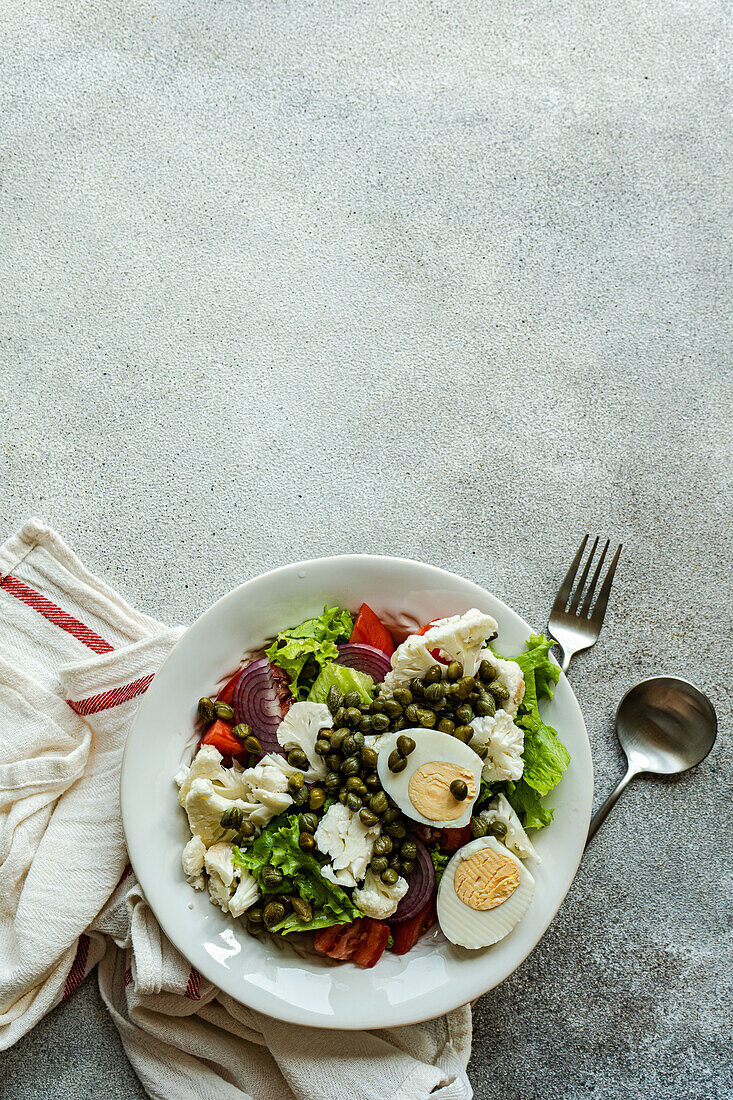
[665, 726]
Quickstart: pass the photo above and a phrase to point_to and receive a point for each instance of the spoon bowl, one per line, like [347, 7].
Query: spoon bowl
[665, 726]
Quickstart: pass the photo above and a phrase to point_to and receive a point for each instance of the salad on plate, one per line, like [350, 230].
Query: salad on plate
[350, 793]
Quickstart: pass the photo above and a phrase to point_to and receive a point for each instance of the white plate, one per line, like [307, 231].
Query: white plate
[435, 976]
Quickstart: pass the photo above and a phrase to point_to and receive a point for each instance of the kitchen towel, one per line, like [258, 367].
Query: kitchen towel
[75, 659]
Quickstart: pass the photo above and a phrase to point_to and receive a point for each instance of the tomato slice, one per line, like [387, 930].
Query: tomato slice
[372, 942]
[220, 736]
[368, 630]
[408, 932]
[436, 654]
[450, 840]
[227, 692]
[363, 941]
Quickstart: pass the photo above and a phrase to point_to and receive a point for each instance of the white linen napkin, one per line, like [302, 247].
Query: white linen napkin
[74, 661]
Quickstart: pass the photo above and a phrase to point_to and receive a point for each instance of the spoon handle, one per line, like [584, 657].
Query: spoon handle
[601, 814]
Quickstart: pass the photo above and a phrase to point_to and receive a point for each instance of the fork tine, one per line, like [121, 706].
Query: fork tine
[600, 609]
[589, 594]
[565, 589]
[583, 578]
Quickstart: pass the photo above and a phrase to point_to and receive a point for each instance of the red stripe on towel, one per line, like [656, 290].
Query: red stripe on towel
[55, 614]
[112, 698]
[193, 991]
[79, 966]
[128, 976]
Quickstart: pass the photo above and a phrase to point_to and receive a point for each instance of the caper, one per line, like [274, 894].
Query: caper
[322, 747]
[307, 842]
[353, 802]
[351, 766]
[481, 750]
[403, 696]
[405, 744]
[271, 876]
[351, 699]
[241, 730]
[273, 914]
[367, 817]
[434, 693]
[392, 708]
[254, 928]
[369, 756]
[392, 813]
[412, 712]
[372, 781]
[454, 671]
[401, 723]
[485, 705]
[358, 737]
[348, 745]
[416, 686]
[353, 716]
[378, 864]
[408, 866]
[338, 737]
[380, 722]
[409, 849]
[365, 726]
[459, 790]
[284, 901]
[390, 876]
[232, 819]
[333, 761]
[246, 828]
[343, 795]
[206, 709]
[445, 725]
[396, 761]
[300, 796]
[426, 717]
[395, 830]
[332, 782]
[377, 704]
[395, 861]
[366, 708]
[224, 711]
[356, 784]
[334, 699]
[464, 714]
[378, 803]
[433, 675]
[308, 822]
[487, 672]
[498, 828]
[302, 908]
[316, 798]
[255, 914]
[478, 827]
[463, 733]
[498, 690]
[338, 718]
[297, 759]
[383, 845]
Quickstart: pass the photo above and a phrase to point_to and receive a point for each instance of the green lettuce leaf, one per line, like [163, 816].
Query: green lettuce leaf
[440, 862]
[277, 845]
[345, 679]
[312, 642]
[528, 806]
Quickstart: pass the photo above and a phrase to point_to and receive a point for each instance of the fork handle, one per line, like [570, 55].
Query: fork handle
[601, 814]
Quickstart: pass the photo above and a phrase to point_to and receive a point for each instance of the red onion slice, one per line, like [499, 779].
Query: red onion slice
[364, 658]
[421, 884]
[257, 702]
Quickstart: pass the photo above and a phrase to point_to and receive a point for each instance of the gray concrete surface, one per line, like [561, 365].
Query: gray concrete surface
[439, 280]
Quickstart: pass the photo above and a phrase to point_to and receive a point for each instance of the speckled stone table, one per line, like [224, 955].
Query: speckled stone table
[440, 280]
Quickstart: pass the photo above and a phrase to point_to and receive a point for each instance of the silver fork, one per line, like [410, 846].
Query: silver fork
[576, 627]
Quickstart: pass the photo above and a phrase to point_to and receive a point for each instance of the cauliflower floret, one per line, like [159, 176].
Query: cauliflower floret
[515, 839]
[344, 837]
[230, 782]
[218, 861]
[511, 676]
[205, 807]
[192, 860]
[267, 784]
[504, 742]
[220, 893]
[244, 896]
[205, 765]
[299, 728]
[460, 636]
[376, 899]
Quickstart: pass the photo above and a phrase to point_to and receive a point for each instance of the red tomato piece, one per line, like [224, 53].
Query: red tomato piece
[372, 942]
[408, 932]
[436, 654]
[368, 630]
[220, 736]
[227, 692]
[450, 840]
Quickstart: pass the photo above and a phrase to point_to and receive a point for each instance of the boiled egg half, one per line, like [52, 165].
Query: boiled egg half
[422, 790]
[483, 894]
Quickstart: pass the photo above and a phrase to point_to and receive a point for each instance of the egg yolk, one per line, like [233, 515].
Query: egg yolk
[486, 879]
[430, 793]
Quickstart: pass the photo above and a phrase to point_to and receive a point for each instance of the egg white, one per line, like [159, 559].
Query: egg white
[474, 928]
[430, 745]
